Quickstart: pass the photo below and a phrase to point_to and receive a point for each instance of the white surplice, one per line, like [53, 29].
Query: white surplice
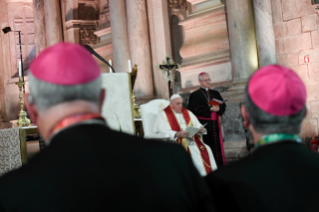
[163, 127]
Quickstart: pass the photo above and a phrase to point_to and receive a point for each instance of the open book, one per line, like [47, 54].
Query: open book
[216, 102]
[193, 130]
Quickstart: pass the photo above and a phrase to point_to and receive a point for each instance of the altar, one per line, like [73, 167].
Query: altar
[17, 145]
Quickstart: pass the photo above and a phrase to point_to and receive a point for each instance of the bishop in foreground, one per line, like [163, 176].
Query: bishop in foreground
[86, 166]
[173, 121]
[281, 175]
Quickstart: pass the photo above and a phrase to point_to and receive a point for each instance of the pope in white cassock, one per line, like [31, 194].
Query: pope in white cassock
[173, 121]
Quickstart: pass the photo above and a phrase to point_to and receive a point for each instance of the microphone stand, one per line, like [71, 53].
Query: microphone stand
[98, 56]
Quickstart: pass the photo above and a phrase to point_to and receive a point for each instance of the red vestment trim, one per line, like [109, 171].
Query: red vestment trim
[200, 145]
[175, 125]
[70, 120]
[204, 154]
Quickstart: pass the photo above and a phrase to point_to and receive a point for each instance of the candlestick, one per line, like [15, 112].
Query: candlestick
[129, 66]
[110, 62]
[20, 71]
[23, 120]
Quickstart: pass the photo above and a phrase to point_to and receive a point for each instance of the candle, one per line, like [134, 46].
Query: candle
[110, 62]
[129, 66]
[20, 71]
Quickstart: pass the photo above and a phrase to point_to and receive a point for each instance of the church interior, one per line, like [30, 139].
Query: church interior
[228, 39]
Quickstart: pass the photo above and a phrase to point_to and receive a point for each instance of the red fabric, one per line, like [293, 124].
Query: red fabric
[202, 73]
[171, 119]
[277, 90]
[74, 119]
[65, 64]
[213, 117]
[175, 126]
[204, 154]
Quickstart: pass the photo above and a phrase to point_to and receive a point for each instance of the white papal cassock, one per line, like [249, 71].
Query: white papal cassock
[162, 126]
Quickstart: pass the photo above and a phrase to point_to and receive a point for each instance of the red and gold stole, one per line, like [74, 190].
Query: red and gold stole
[176, 127]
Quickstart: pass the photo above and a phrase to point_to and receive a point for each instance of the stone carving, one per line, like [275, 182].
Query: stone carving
[177, 4]
[87, 36]
[105, 20]
[178, 8]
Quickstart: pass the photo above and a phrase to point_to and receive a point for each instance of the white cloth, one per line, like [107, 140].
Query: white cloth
[163, 127]
[10, 157]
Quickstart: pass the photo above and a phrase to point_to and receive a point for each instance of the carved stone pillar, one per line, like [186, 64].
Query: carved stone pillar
[121, 52]
[242, 37]
[40, 42]
[140, 46]
[265, 32]
[53, 24]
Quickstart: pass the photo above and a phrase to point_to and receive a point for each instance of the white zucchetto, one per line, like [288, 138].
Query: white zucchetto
[175, 96]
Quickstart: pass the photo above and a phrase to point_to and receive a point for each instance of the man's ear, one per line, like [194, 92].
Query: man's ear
[244, 114]
[102, 98]
[31, 108]
[306, 113]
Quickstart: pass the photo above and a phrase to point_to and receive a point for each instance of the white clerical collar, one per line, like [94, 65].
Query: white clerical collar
[206, 89]
[176, 112]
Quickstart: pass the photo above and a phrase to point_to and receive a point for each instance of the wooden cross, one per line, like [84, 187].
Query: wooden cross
[169, 67]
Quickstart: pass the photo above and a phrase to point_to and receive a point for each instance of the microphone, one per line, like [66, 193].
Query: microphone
[98, 56]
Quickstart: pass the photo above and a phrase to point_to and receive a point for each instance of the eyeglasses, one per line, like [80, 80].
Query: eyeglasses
[207, 80]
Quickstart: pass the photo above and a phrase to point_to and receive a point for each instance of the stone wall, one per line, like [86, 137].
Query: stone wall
[296, 33]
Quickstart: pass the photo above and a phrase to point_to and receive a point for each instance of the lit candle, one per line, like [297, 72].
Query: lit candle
[129, 66]
[110, 62]
[20, 71]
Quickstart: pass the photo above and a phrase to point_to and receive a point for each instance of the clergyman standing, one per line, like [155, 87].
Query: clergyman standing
[207, 114]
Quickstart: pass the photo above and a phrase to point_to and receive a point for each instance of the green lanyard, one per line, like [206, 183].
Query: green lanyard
[277, 137]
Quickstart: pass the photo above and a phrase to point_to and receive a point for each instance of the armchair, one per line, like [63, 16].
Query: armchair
[149, 112]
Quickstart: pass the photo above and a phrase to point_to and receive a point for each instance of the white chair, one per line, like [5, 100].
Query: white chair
[149, 112]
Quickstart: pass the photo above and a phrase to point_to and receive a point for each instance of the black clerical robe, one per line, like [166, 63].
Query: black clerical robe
[88, 167]
[198, 104]
[278, 177]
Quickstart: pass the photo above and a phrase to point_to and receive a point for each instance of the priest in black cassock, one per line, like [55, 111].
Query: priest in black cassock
[207, 114]
[86, 166]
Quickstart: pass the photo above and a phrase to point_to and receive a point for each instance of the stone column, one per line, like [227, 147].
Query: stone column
[265, 32]
[39, 20]
[140, 46]
[121, 52]
[160, 42]
[242, 38]
[53, 23]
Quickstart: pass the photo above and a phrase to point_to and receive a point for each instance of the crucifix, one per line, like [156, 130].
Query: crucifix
[169, 69]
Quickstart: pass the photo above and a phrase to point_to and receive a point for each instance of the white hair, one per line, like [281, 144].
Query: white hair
[45, 95]
[200, 76]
